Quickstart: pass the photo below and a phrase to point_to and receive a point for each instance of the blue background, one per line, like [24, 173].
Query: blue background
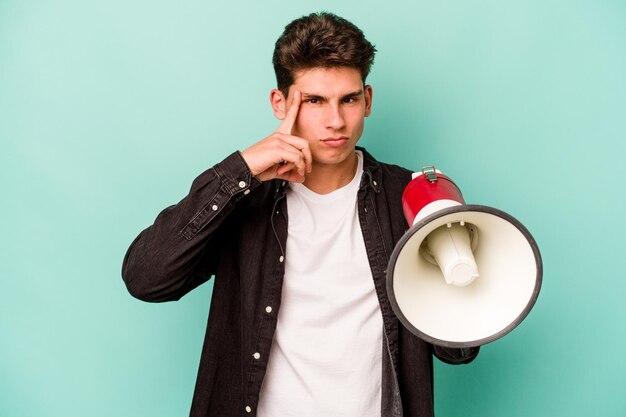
[108, 110]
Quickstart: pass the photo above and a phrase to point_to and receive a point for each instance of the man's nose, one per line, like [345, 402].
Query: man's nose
[334, 117]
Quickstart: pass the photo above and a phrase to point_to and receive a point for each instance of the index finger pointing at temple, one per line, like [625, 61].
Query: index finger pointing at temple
[292, 114]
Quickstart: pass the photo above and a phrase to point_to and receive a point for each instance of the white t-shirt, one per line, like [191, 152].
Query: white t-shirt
[327, 350]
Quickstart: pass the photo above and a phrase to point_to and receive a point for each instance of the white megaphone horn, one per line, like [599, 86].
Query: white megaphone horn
[462, 275]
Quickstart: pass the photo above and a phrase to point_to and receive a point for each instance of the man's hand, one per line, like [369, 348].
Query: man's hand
[281, 155]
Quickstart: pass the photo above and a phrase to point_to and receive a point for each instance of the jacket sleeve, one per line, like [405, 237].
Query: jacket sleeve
[456, 356]
[178, 252]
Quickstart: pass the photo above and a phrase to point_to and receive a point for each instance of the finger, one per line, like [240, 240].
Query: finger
[291, 176]
[289, 173]
[285, 168]
[308, 158]
[294, 156]
[292, 114]
[302, 145]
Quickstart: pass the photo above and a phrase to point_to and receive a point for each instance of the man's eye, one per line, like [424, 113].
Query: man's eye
[349, 100]
[312, 101]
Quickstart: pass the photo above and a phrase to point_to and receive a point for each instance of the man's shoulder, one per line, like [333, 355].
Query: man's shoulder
[389, 172]
[396, 169]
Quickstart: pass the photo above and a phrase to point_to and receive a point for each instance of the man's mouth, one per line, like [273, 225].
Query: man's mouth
[335, 142]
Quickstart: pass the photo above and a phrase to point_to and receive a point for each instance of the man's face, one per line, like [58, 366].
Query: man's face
[332, 111]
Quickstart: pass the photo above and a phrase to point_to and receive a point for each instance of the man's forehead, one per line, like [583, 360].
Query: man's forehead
[328, 82]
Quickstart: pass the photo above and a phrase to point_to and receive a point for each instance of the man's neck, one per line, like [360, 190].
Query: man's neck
[325, 179]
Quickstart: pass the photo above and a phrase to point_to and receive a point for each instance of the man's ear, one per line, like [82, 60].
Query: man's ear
[367, 90]
[279, 103]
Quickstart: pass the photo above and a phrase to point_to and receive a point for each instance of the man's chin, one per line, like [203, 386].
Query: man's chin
[334, 156]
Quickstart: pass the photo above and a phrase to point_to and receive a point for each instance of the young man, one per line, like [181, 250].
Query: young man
[297, 229]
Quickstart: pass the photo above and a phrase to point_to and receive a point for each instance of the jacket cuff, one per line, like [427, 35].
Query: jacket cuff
[214, 191]
[236, 177]
[456, 356]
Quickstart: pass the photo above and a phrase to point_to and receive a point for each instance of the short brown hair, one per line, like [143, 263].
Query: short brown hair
[320, 40]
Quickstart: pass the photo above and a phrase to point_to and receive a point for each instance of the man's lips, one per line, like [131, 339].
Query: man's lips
[335, 142]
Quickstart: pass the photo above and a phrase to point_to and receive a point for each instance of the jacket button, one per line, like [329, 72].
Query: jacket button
[281, 259]
[268, 309]
[248, 409]
[246, 192]
[214, 208]
[256, 355]
[242, 184]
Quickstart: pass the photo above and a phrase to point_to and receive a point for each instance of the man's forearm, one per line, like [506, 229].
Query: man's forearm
[159, 265]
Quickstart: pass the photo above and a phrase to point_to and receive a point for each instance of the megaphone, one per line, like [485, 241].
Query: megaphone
[462, 275]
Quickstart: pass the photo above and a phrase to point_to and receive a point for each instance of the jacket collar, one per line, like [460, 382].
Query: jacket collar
[372, 175]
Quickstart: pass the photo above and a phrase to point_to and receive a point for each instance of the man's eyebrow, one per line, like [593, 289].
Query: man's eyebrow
[312, 95]
[354, 93]
[319, 96]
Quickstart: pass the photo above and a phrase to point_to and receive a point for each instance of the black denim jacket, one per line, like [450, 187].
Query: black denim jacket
[234, 227]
